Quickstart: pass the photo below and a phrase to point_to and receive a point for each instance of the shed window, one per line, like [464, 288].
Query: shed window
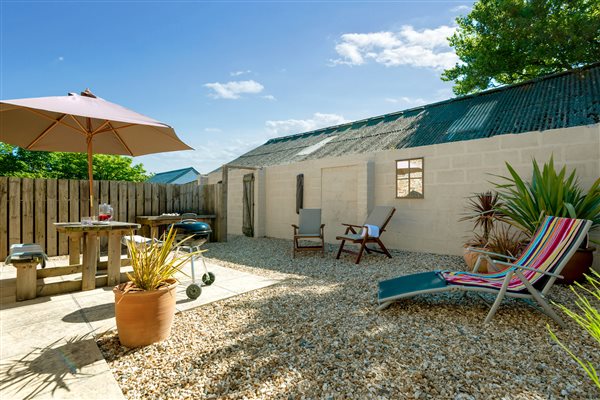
[409, 178]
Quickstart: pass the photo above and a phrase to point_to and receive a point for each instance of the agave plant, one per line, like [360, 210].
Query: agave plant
[153, 264]
[549, 193]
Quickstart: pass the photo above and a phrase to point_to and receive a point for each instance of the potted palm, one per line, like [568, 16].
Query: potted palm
[145, 305]
[482, 211]
[524, 204]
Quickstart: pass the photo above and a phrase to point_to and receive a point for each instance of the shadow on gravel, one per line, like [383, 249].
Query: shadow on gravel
[319, 336]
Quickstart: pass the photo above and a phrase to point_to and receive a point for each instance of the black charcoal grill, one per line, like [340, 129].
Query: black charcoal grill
[196, 233]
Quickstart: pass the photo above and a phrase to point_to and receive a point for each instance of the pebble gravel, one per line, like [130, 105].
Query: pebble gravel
[316, 335]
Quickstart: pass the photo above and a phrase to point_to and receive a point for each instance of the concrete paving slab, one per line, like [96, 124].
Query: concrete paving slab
[48, 348]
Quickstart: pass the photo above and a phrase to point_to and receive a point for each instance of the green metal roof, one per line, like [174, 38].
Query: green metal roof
[561, 100]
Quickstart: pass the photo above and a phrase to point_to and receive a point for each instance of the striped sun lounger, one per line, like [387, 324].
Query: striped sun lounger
[529, 277]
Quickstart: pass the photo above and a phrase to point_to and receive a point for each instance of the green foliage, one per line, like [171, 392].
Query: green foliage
[510, 41]
[549, 193]
[589, 320]
[15, 161]
[153, 264]
[482, 211]
[506, 240]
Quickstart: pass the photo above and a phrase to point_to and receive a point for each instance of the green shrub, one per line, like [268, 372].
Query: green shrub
[548, 193]
[589, 320]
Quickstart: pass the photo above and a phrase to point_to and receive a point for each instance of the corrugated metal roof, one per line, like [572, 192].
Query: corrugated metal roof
[561, 100]
[170, 176]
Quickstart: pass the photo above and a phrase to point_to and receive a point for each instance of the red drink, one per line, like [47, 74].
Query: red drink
[104, 217]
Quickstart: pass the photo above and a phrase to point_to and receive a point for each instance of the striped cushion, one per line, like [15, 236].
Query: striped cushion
[546, 251]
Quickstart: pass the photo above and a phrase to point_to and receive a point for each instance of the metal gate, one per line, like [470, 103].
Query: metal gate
[248, 199]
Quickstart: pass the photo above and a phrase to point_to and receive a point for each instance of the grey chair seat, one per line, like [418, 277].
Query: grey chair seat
[316, 235]
[350, 236]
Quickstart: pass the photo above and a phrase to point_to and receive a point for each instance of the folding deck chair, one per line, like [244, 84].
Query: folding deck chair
[310, 227]
[529, 277]
[378, 218]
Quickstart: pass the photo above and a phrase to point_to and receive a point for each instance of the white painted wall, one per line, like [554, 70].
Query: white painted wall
[453, 171]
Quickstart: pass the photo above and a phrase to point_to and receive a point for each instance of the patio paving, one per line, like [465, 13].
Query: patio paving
[48, 345]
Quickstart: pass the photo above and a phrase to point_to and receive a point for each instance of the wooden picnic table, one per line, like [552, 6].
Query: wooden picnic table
[89, 233]
[155, 221]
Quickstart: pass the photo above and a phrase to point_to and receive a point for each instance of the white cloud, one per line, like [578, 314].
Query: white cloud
[427, 48]
[233, 90]
[61, 58]
[238, 73]
[213, 130]
[269, 97]
[409, 101]
[291, 126]
[461, 9]
[207, 156]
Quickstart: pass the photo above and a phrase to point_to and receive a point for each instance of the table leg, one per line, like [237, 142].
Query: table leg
[154, 231]
[114, 258]
[90, 261]
[74, 249]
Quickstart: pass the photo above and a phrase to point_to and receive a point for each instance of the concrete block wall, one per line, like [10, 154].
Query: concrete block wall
[453, 171]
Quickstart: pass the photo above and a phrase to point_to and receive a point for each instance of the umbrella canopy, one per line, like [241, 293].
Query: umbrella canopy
[83, 123]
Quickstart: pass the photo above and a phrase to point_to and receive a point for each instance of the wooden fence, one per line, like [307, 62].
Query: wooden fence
[29, 207]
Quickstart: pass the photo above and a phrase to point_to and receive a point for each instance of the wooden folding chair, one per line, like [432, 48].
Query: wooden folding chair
[379, 217]
[310, 228]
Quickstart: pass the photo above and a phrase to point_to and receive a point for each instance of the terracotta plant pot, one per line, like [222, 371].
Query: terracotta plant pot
[144, 317]
[471, 258]
[578, 265]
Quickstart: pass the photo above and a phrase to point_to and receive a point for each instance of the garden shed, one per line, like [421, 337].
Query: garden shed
[424, 161]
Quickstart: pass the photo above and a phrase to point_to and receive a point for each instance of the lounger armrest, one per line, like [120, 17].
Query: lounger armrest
[353, 226]
[477, 250]
[529, 269]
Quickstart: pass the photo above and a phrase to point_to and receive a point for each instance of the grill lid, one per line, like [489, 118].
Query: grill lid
[191, 226]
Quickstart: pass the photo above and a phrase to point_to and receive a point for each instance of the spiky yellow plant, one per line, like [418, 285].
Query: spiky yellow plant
[153, 264]
[589, 320]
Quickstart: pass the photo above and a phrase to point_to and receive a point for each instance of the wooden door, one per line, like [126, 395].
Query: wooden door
[248, 206]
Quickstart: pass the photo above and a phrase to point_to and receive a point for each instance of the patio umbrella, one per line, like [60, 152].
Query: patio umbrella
[83, 123]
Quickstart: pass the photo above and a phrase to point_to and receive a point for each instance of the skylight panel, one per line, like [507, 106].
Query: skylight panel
[311, 149]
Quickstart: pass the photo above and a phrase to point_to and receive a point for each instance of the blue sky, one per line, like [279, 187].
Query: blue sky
[230, 75]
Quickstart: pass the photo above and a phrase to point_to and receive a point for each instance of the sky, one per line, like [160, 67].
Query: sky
[228, 76]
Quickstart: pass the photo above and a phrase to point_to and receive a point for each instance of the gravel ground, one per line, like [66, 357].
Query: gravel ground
[317, 335]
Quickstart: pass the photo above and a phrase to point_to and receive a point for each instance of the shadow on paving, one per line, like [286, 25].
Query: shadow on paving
[50, 368]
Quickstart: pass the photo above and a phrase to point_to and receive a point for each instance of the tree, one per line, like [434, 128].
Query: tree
[15, 161]
[510, 41]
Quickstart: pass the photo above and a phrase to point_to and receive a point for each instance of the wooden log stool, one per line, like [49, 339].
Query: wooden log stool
[27, 277]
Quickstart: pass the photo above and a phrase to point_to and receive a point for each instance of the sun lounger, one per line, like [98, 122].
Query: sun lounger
[529, 277]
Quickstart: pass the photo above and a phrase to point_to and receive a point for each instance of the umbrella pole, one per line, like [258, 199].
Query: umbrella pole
[90, 173]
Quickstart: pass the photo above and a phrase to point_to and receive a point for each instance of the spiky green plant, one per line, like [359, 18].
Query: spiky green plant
[154, 264]
[549, 193]
[589, 320]
[482, 211]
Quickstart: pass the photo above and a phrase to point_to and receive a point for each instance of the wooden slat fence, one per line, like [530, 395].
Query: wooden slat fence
[29, 207]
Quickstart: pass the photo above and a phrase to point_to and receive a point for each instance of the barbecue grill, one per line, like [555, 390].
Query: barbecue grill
[196, 233]
[199, 232]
